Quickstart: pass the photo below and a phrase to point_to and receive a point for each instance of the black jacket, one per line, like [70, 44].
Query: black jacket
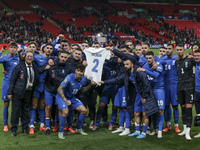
[55, 75]
[18, 79]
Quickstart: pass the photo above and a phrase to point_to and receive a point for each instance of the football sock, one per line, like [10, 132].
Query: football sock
[170, 114]
[127, 119]
[99, 114]
[62, 123]
[121, 118]
[144, 129]
[32, 115]
[70, 118]
[154, 120]
[160, 122]
[81, 119]
[189, 117]
[5, 115]
[184, 115]
[42, 115]
[48, 122]
[113, 116]
[137, 127]
[57, 117]
[166, 113]
[176, 114]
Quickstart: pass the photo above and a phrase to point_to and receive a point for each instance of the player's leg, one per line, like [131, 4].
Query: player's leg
[4, 97]
[145, 126]
[127, 121]
[189, 98]
[181, 100]
[33, 111]
[167, 109]
[42, 114]
[83, 112]
[102, 103]
[173, 98]
[114, 112]
[5, 115]
[70, 121]
[121, 119]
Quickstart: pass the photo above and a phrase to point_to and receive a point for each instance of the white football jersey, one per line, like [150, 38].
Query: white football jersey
[95, 60]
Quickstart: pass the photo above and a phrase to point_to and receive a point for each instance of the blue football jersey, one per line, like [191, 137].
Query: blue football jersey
[142, 61]
[8, 64]
[72, 85]
[155, 77]
[171, 74]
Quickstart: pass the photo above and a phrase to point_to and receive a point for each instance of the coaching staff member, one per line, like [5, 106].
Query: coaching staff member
[21, 90]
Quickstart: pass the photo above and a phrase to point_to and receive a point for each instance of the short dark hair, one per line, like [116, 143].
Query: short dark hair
[85, 43]
[78, 49]
[149, 53]
[63, 52]
[64, 40]
[97, 43]
[197, 51]
[13, 44]
[180, 45]
[48, 44]
[128, 41]
[76, 45]
[171, 45]
[162, 47]
[145, 43]
[124, 46]
[80, 67]
[32, 42]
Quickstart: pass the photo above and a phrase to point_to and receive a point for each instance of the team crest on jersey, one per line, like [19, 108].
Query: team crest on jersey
[186, 64]
[65, 80]
[15, 63]
[173, 62]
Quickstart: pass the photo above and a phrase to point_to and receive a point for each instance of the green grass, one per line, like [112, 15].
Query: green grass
[100, 139]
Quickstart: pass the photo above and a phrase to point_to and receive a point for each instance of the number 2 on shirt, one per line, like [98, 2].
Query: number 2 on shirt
[94, 69]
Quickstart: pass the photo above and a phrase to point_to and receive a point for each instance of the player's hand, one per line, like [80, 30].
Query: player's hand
[190, 56]
[101, 82]
[61, 36]
[154, 67]
[177, 58]
[84, 63]
[47, 67]
[9, 97]
[143, 100]
[107, 48]
[51, 62]
[132, 54]
[2, 50]
[19, 50]
[119, 60]
[5, 72]
[68, 102]
[140, 69]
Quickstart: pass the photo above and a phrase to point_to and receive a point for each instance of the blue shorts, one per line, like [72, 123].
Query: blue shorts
[39, 93]
[49, 97]
[160, 97]
[4, 89]
[75, 102]
[107, 94]
[171, 95]
[120, 98]
[138, 107]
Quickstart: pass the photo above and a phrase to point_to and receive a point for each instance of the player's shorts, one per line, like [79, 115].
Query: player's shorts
[49, 98]
[75, 102]
[138, 107]
[39, 92]
[120, 98]
[107, 94]
[171, 95]
[160, 97]
[4, 89]
[185, 97]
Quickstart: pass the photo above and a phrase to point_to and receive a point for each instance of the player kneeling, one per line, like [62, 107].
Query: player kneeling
[66, 99]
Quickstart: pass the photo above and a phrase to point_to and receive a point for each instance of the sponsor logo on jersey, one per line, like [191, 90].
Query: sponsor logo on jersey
[173, 62]
[63, 70]
[65, 80]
